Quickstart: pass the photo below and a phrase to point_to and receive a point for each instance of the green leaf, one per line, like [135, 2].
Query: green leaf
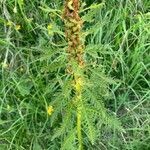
[64, 126]
[113, 122]
[93, 9]
[36, 146]
[88, 125]
[94, 6]
[69, 141]
[24, 87]
[20, 2]
[4, 121]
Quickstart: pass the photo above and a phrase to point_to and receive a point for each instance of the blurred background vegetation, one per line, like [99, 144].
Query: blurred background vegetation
[32, 62]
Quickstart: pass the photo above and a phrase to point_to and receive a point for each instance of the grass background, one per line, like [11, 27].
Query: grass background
[32, 55]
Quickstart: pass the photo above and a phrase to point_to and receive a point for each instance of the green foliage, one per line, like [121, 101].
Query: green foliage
[115, 106]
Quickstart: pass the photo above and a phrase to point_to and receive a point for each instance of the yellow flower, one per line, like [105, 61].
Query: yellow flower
[78, 84]
[49, 27]
[9, 23]
[18, 27]
[50, 110]
[4, 65]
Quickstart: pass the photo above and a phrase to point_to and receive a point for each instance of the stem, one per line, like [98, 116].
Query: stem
[73, 24]
[79, 128]
[78, 88]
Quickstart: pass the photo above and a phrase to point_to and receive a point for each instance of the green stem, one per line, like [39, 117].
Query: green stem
[73, 24]
[79, 128]
[79, 119]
